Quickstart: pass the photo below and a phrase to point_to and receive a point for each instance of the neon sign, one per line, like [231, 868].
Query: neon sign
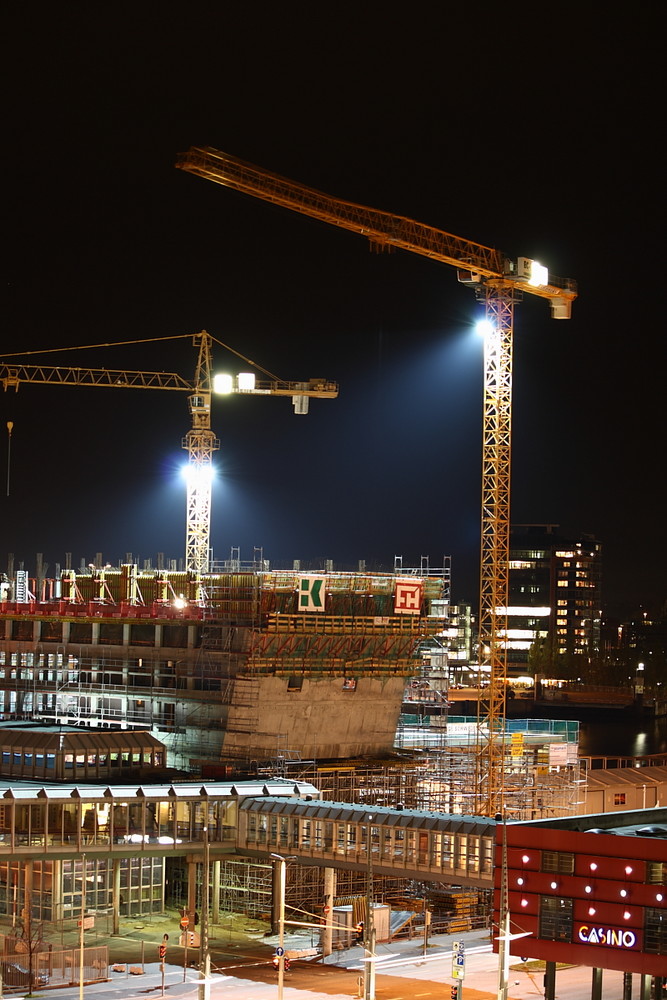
[613, 937]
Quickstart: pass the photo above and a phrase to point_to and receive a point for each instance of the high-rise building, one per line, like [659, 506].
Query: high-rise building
[554, 598]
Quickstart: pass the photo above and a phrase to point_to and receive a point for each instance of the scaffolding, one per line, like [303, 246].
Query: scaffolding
[543, 775]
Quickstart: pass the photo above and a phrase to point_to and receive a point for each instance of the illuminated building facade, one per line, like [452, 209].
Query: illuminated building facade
[554, 598]
[588, 890]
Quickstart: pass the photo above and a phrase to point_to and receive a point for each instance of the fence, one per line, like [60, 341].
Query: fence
[53, 968]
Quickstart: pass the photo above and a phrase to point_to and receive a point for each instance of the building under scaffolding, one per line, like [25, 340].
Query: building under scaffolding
[284, 672]
[229, 668]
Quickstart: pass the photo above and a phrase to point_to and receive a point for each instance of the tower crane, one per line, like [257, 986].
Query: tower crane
[200, 442]
[500, 282]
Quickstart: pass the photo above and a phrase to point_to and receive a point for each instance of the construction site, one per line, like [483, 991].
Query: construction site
[236, 682]
[247, 670]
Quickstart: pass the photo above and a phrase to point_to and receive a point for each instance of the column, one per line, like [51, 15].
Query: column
[115, 894]
[550, 981]
[329, 893]
[56, 890]
[596, 985]
[627, 986]
[215, 908]
[275, 898]
[192, 891]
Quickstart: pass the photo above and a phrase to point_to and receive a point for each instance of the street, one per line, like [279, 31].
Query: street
[404, 972]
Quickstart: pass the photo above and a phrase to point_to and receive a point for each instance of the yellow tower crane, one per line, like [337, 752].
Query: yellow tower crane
[200, 442]
[499, 282]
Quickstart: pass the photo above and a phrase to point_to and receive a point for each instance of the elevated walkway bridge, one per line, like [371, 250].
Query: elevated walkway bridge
[251, 819]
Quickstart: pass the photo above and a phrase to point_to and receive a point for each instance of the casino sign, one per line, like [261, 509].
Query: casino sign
[612, 937]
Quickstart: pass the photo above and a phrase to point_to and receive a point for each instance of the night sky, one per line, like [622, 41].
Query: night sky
[543, 141]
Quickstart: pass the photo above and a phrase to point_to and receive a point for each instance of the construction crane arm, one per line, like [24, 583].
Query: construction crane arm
[11, 376]
[383, 229]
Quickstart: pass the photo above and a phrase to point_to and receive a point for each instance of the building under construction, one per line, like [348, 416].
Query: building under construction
[271, 672]
[229, 668]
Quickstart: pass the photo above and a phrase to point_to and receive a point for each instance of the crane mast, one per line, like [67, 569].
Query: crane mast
[200, 442]
[500, 283]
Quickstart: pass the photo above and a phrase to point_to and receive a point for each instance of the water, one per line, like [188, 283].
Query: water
[623, 737]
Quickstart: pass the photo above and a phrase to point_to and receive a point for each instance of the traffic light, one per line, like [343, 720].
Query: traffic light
[276, 961]
[454, 993]
[286, 964]
[359, 932]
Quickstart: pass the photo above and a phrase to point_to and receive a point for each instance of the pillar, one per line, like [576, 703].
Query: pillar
[192, 891]
[549, 981]
[275, 898]
[27, 899]
[627, 986]
[645, 987]
[215, 902]
[596, 985]
[56, 890]
[329, 893]
[115, 894]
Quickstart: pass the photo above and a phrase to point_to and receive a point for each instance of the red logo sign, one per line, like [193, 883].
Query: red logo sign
[408, 597]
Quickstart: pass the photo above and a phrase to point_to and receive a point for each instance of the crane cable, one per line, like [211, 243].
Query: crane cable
[145, 340]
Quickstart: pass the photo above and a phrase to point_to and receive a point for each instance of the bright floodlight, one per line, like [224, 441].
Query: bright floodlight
[539, 274]
[223, 383]
[246, 381]
[531, 271]
[485, 328]
[198, 475]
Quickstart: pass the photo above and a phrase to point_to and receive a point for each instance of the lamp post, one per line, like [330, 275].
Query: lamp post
[282, 881]
[204, 953]
[83, 910]
[369, 927]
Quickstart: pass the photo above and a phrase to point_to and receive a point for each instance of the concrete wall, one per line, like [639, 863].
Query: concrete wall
[321, 719]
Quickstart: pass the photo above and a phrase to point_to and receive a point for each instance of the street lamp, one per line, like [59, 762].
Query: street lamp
[204, 987]
[282, 880]
[369, 943]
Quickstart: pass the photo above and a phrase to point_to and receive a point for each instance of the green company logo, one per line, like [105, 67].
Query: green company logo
[311, 593]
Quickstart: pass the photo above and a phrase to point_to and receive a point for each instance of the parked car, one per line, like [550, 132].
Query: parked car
[14, 974]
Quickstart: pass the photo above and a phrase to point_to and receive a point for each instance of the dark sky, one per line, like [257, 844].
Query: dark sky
[542, 140]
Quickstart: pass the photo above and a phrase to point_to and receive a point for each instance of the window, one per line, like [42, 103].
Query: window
[555, 918]
[558, 861]
[619, 798]
[656, 872]
[655, 931]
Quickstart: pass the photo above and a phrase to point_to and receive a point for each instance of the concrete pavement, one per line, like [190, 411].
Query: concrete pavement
[405, 970]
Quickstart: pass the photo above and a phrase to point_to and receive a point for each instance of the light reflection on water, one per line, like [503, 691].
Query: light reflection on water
[623, 737]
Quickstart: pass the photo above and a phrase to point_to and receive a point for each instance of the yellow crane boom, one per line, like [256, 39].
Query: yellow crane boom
[200, 441]
[382, 228]
[500, 282]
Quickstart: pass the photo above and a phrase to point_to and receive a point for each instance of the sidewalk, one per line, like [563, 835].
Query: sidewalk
[404, 968]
